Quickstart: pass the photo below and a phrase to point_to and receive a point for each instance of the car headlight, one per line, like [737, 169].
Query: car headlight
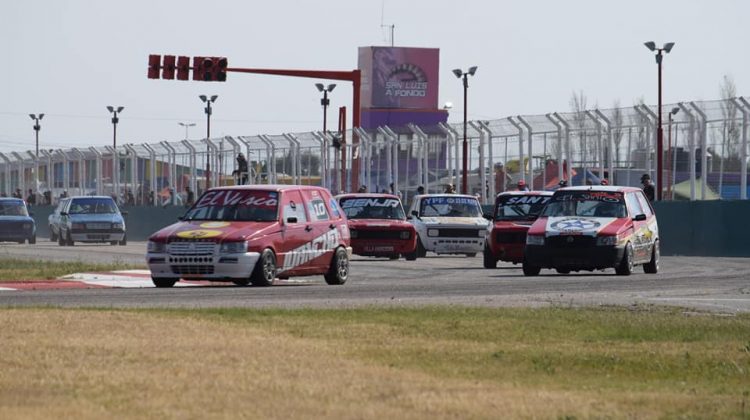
[117, 225]
[606, 241]
[405, 234]
[534, 240]
[353, 233]
[233, 248]
[156, 247]
[433, 232]
[482, 233]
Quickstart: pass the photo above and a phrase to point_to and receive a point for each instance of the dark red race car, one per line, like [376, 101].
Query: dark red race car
[378, 226]
[514, 213]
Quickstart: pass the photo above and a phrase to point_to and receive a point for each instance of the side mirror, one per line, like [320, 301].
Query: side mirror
[291, 220]
[640, 218]
[63, 213]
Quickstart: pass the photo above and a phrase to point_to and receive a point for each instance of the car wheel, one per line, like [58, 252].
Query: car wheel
[32, 239]
[489, 259]
[625, 268]
[652, 267]
[61, 239]
[530, 270]
[70, 240]
[421, 252]
[338, 273]
[162, 282]
[265, 269]
[113, 243]
[52, 236]
[124, 240]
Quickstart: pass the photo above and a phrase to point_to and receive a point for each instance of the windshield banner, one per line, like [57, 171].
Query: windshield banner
[268, 199]
[369, 202]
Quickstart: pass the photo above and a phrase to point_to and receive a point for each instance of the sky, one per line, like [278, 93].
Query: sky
[70, 59]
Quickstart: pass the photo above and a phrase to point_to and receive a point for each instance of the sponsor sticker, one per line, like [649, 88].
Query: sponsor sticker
[214, 225]
[574, 225]
[369, 202]
[199, 234]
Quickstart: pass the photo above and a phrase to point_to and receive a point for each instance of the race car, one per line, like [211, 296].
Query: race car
[514, 212]
[253, 234]
[378, 226]
[594, 228]
[448, 224]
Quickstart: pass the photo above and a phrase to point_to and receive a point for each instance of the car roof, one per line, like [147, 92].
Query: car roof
[11, 199]
[88, 196]
[526, 193]
[446, 195]
[267, 187]
[366, 195]
[605, 188]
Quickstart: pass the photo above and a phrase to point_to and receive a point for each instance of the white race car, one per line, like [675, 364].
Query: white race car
[448, 224]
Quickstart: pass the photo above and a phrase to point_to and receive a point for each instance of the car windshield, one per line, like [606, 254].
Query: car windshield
[450, 206]
[92, 206]
[520, 207]
[586, 203]
[13, 208]
[372, 208]
[235, 205]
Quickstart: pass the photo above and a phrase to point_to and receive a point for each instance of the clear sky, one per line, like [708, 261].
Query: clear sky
[70, 59]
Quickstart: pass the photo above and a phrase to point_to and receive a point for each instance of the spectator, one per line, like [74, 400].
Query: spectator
[242, 169]
[648, 187]
[420, 190]
[563, 183]
[17, 193]
[362, 189]
[450, 189]
[190, 196]
[31, 198]
[64, 194]
[522, 185]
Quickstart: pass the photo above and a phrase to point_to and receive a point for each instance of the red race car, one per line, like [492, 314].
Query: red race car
[378, 225]
[253, 234]
[514, 212]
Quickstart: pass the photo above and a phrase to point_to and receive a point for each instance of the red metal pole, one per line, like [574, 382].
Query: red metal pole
[342, 155]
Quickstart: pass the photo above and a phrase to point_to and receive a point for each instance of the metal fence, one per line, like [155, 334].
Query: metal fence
[705, 157]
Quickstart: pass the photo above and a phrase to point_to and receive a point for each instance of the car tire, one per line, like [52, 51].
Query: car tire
[52, 236]
[421, 252]
[265, 269]
[162, 282]
[70, 240]
[530, 270]
[625, 268]
[338, 272]
[61, 239]
[124, 240]
[32, 240]
[489, 260]
[652, 267]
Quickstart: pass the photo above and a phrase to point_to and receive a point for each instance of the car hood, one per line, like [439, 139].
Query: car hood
[378, 223]
[214, 230]
[96, 217]
[576, 225]
[474, 221]
[15, 219]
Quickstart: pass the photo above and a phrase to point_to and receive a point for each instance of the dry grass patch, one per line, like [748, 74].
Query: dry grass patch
[342, 364]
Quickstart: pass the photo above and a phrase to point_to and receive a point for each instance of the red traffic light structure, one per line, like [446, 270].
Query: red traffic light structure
[214, 69]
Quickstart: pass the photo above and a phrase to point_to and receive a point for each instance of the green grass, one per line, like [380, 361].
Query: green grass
[14, 269]
[614, 348]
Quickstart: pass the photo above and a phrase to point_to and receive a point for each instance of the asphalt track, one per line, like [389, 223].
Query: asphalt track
[714, 284]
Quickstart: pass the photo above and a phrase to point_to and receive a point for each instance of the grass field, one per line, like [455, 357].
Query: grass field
[12, 269]
[436, 362]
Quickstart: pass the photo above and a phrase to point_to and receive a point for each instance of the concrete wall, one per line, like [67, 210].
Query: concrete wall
[700, 228]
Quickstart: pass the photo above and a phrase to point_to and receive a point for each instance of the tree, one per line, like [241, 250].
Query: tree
[731, 129]
[616, 129]
[578, 106]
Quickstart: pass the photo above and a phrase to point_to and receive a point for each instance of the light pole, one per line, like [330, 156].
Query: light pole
[37, 127]
[670, 153]
[186, 125]
[115, 165]
[208, 101]
[659, 132]
[325, 101]
[465, 75]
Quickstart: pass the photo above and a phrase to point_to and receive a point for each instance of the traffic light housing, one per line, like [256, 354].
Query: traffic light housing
[206, 70]
[154, 65]
[219, 69]
[183, 68]
[169, 67]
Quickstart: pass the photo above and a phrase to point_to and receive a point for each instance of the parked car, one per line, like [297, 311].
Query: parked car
[378, 226]
[16, 223]
[253, 234]
[53, 220]
[448, 224]
[91, 219]
[514, 212]
[592, 228]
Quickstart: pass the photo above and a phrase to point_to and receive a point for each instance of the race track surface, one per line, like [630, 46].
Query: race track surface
[715, 284]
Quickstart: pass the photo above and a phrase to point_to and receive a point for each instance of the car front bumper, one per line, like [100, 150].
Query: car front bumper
[224, 267]
[587, 258]
[97, 236]
[443, 245]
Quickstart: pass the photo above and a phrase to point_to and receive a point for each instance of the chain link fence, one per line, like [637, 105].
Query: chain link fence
[705, 157]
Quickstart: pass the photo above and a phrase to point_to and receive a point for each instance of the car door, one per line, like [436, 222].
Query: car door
[295, 233]
[640, 241]
[323, 230]
[650, 228]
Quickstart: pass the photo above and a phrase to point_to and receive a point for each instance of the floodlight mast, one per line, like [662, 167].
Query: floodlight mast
[651, 45]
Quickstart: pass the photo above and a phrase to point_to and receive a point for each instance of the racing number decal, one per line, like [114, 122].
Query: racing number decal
[319, 208]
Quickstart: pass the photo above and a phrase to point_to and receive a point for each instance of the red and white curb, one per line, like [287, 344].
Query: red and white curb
[112, 279]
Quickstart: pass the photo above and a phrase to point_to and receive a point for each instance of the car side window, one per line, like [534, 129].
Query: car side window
[634, 207]
[318, 210]
[644, 204]
[294, 207]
